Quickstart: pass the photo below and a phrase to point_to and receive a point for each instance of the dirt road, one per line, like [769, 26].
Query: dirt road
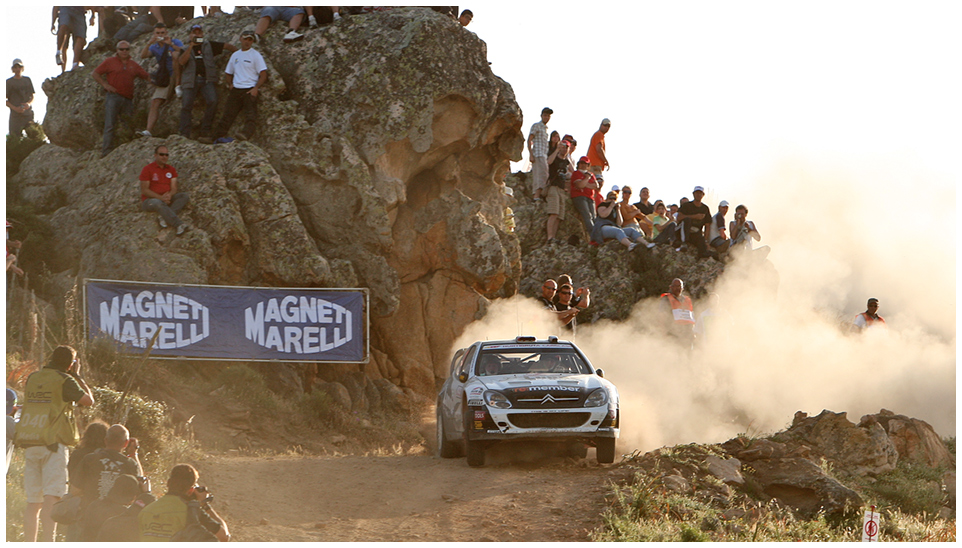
[409, 498]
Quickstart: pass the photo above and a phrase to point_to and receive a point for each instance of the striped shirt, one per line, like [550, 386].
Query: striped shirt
[539, 146]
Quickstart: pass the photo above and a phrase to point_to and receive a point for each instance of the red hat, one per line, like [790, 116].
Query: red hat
[585, 160]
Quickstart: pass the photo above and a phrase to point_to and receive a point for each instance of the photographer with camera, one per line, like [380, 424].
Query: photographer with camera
[99, 470]
[199, 76]
[183, 512]
[744, 231]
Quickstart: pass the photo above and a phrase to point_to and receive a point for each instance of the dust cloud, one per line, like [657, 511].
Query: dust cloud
[775, 349]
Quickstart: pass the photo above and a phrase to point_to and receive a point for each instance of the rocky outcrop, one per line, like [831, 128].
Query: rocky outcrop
[915, 440]
[379, 142]
[865, 448]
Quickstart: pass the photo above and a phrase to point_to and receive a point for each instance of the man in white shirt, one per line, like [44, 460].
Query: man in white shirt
[246, 74]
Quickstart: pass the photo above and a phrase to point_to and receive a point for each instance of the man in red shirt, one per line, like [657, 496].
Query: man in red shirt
[158, 191]
[120, 71]
[583, 190]
[596, 150]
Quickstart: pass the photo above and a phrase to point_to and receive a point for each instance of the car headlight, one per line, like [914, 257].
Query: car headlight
[597, 398]
[496, 400]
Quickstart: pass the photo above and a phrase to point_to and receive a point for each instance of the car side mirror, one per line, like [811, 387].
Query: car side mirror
[463, 377]
[600, 373]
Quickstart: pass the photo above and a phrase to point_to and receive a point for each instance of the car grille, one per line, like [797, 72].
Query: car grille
[540, 399]
[548, 420]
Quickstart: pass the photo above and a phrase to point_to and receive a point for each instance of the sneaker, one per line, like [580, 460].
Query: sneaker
[632, 246]
[293, 36]
[163, 223]
[181, 228]
[144, 133]
[650, 245]
[337, 16]
[312, 21]
[178, 92]
[678, 249]
[75, 66]
[59, 58]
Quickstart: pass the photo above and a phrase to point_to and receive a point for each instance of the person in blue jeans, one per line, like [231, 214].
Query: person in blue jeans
[199, 77]
[116, 74]
[159, 192]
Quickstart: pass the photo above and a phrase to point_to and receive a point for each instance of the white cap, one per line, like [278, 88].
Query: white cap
[723, 203]
[606, 122]
[615, 188]
[698, 189]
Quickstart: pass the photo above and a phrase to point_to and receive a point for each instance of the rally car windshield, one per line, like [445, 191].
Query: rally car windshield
[510, 362]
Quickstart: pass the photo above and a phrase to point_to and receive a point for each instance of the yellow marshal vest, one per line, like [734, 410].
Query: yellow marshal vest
[46, 418]
[162, 518]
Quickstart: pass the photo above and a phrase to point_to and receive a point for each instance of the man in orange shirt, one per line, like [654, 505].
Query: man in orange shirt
[596, 150]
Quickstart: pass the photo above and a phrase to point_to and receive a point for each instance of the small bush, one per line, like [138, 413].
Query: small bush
[145, 419]
[247, 386]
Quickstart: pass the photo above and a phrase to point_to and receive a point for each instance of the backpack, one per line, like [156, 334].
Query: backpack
[161, 77]
[194, 531]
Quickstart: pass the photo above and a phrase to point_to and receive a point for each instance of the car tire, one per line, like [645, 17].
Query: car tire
[446, 449]
[606, 450]
[474, 450]
[577, 450]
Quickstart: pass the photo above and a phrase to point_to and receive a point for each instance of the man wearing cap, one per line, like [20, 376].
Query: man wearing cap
[199, 77]
[538, 152]
[869, 318]
[19, 97]
[583, 189]
[116, 74]
[717, 236]
[45, 430]
[596, 149]
[694, 216]
[246, 74]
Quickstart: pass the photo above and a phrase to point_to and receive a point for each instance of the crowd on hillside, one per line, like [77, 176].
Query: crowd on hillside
[555, 176]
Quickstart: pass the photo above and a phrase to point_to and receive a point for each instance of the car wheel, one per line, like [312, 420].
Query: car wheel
[474, 450]
[446, 449]
[577, 450]
[606, 450]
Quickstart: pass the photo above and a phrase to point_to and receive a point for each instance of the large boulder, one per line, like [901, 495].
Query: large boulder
[380, 140]
[803, 486]
[863, 449]
[915, 440]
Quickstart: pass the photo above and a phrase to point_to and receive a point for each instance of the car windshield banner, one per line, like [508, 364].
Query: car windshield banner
[229, 323]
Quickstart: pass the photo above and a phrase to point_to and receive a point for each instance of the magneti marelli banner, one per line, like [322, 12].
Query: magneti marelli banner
[229, 323]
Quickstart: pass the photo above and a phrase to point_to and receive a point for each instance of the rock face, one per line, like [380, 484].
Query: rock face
[379, 142]
[865, 448]
[914, 439]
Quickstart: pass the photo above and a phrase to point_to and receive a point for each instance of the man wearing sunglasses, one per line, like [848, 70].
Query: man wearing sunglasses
[246, 74]
[158, 191]
[116, 74]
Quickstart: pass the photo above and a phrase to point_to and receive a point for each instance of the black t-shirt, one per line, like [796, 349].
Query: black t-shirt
[100, 469]
[689, 208]
[574, 321]
[19, 90]
[197, 53]
[647, 209]
[557, 171]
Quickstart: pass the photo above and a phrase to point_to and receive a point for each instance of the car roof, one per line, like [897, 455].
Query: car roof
[526, 342]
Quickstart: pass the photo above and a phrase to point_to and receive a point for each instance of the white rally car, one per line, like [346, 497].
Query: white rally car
[526, 389]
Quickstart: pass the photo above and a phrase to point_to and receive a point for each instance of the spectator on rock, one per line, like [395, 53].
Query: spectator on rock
[569, 321]
[126, 526]
[717, 236]
[553, 141]
[184, 502]
[869, 318]
[558, 178]
[159, 191]
[663, 228]
[19, 99]
[538, 152]
[607, 226]
[695, 217]
[679, 313]
[199, 77]
[145, 21]
[122, 493]
[643, 204]
[72, 22]
[572, 145]
[584, 186]
[596, 150]
[45, 430]
[246, 74]
[742, 233]
[465, 18]
[548, 289]
[164, 49]
[120, 71]
[631, 216]
[582, 295]
[292, 14]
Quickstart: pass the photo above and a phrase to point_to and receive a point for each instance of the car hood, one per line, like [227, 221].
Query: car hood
[543, 381]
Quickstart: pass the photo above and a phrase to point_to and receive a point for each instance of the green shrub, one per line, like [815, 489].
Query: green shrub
[145, 419]
[247, 386]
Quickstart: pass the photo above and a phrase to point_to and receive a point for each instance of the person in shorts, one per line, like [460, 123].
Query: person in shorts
[45, 430]
[165, 49]
[292, 14]
[72, 22]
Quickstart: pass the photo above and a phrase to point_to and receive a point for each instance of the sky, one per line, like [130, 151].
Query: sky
[837, 123]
